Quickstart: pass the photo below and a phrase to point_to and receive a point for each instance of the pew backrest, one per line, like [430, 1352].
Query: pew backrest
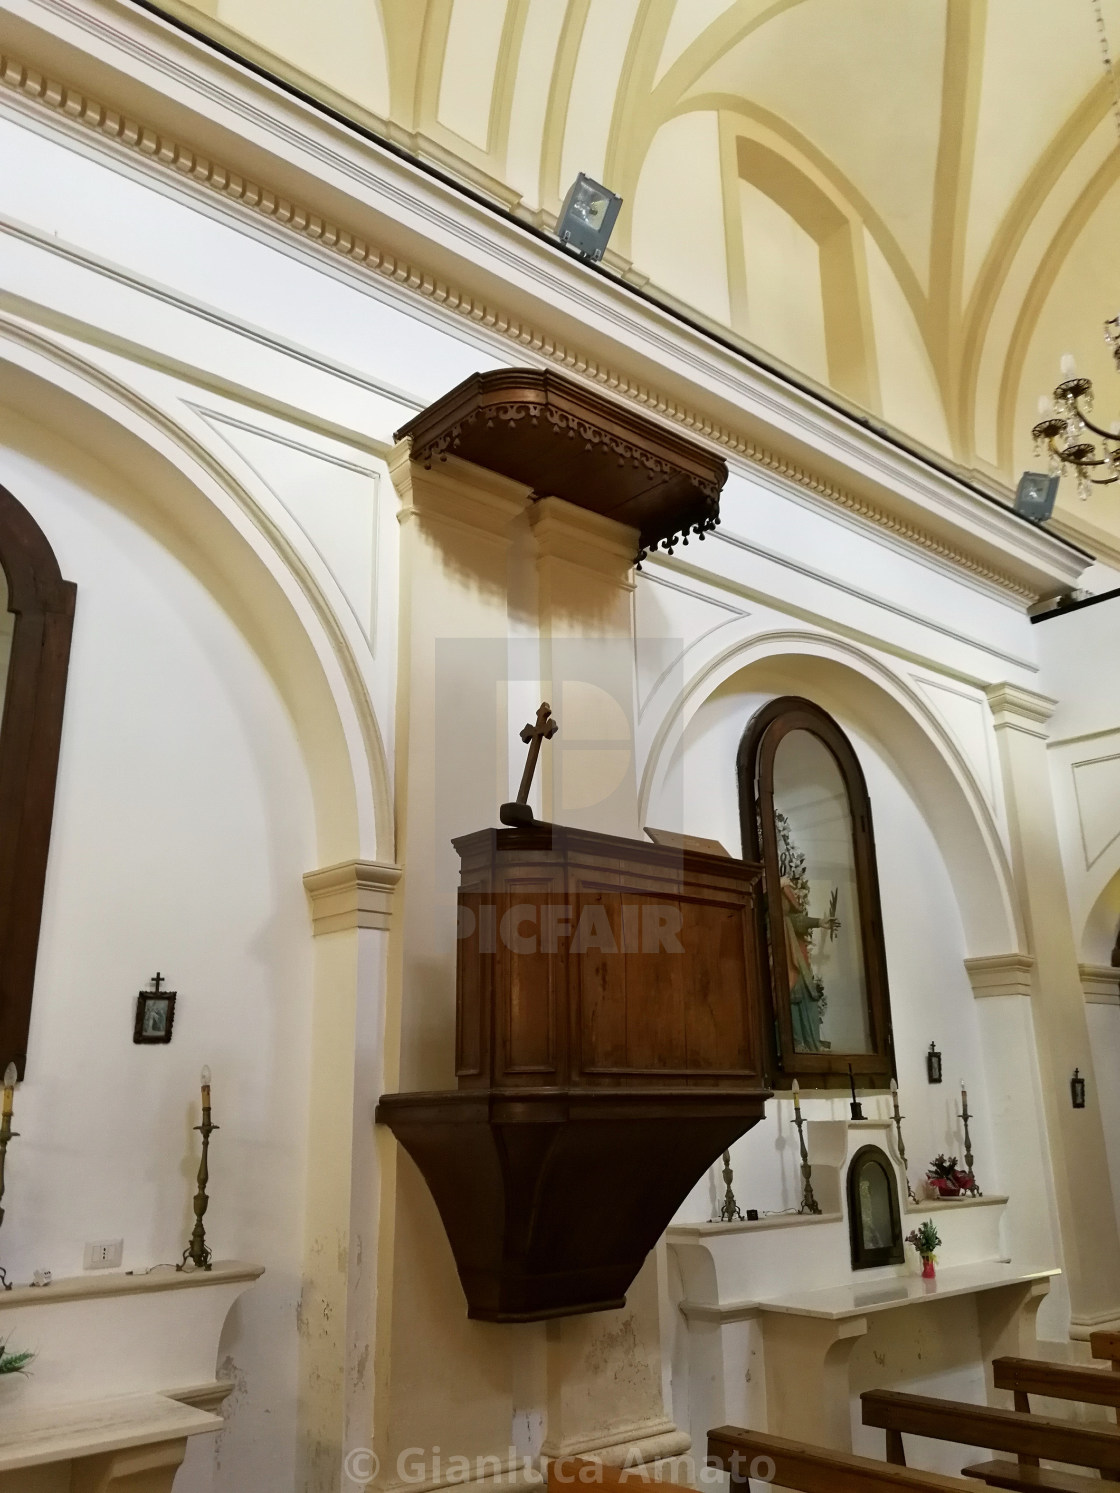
[1084, 1383]
[1095, 1446]
[812, 1469]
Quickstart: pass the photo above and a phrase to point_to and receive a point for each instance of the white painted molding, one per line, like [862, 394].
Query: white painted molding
[1018, 709]
[391, 206]
[1000, 974]
[578, 537]
[456, 494]
[1082, 1325]
[352, 894]
[1101, 984]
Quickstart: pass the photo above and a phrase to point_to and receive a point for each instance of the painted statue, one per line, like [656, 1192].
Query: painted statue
[807, 1001]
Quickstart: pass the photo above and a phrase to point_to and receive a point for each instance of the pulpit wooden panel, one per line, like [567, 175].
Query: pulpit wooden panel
[590, 959]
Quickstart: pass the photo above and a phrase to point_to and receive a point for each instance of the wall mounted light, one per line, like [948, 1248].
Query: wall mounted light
[1034, 497]
[1077, 1089]
[933, 1064]
[588, 217]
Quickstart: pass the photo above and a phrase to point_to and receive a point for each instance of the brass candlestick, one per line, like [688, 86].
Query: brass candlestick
[6, 1133]
[198, 1251]
[809, 1202]
[901, 1143]
[730, 1212]
[965, 1117]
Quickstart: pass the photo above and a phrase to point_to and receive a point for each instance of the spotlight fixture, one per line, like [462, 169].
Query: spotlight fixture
[1034, 497]
[587, 217]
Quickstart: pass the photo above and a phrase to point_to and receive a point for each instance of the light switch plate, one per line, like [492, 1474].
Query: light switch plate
[104, 1254]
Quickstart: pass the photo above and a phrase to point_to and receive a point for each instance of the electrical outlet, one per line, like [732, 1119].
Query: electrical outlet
[104, 1254]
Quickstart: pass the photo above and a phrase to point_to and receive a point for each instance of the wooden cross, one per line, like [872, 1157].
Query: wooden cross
[157, 981]
[543, 729]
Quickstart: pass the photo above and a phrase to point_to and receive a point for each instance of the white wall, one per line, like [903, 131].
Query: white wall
[183, 825]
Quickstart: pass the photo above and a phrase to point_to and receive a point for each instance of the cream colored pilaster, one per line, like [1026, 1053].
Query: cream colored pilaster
[606, 1393]
[443, 1385]
[350, 907]
[1090, 1242]
[1022, 1167]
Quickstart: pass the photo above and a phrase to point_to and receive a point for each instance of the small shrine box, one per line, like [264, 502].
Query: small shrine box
[590, 961]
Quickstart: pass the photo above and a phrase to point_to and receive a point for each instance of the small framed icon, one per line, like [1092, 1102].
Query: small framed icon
[155, 1014]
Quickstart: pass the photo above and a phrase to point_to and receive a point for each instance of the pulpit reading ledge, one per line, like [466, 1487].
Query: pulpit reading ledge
[609, 1048]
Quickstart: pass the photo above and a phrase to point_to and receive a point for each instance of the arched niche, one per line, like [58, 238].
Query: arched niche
[874, 1214]
[882, 707]
[805, 813]
[35, 657]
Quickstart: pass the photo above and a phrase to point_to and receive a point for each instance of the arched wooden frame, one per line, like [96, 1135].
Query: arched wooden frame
[760, 742]
[864, 1257]
[30, 737]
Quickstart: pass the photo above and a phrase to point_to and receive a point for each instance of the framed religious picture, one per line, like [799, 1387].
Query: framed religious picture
[155, 1014]
[805, 815]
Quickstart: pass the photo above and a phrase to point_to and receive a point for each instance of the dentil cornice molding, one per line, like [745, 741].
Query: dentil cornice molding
[551, 309]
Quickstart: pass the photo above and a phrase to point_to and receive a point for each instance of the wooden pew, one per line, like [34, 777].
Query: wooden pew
[813, 1469]
[1106, 1345]
[1082, 1383]
[1028, 1437]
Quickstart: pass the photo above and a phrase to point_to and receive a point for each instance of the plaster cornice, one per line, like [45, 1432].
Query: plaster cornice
[1000, 974]
[550, 307]
[1019, 709]
[1101, 984]
[353, 894]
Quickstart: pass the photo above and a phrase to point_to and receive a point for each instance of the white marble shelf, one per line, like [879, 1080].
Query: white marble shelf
[749, 1225]
[37, 1437]
[934, 1205]
[835, 1303]
[104, 1283]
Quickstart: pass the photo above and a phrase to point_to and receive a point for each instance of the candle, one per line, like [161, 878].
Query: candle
[206, 1088]
[1069, 365]
[10, 1076]
[964, 1096]
[797, 1096]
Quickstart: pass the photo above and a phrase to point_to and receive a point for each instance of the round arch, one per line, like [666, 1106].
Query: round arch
[241, 544]
[857, 687]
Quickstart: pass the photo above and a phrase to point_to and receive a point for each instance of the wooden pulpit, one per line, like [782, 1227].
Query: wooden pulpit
[608, 1005]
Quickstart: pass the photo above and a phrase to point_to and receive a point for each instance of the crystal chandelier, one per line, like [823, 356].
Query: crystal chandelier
[1064, 428]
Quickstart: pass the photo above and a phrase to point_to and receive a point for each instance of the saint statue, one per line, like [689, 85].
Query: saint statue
[806, 998]
[807, 1002]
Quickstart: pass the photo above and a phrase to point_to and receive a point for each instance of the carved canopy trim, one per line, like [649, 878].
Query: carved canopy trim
[30, 737]
[566, 441]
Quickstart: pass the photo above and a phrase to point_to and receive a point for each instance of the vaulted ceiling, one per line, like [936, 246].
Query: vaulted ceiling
[913, 202]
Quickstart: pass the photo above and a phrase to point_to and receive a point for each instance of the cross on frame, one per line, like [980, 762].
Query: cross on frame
[543, 729]
[157, 981]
